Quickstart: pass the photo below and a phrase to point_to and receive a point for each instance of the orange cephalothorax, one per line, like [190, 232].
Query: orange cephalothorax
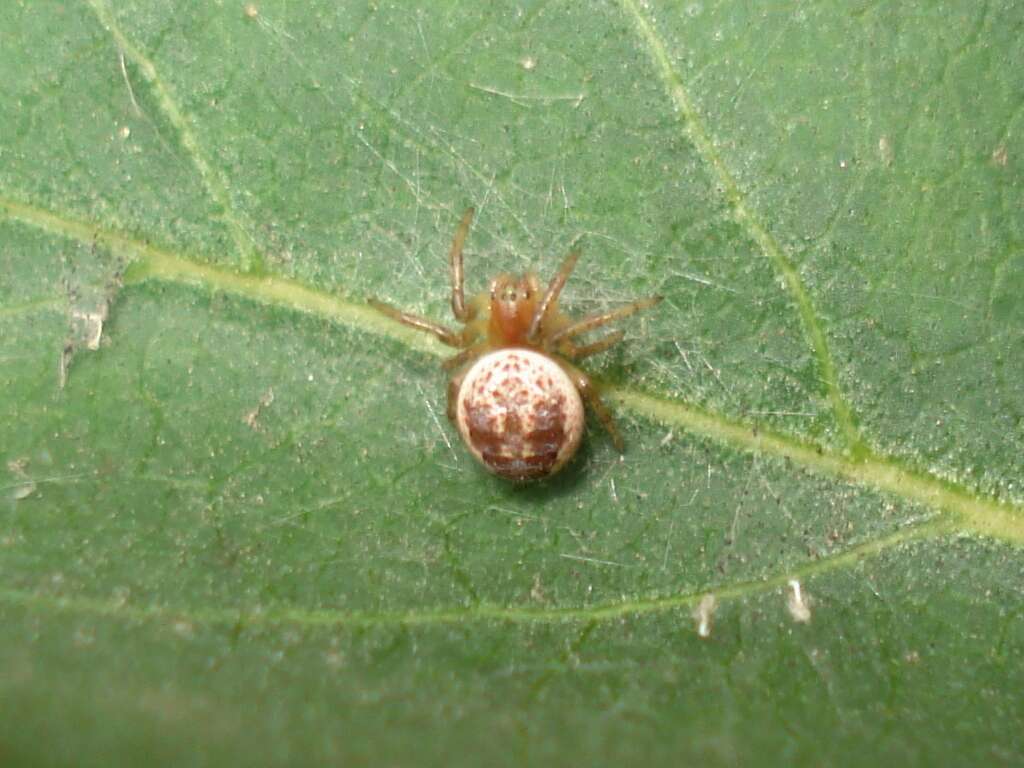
[513, 303]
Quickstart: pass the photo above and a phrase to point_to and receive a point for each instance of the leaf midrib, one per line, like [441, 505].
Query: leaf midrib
[971, 511]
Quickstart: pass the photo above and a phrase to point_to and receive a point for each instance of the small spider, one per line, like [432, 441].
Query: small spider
[514, 394]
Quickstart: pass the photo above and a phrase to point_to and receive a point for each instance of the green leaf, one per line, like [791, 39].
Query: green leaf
[236, 526]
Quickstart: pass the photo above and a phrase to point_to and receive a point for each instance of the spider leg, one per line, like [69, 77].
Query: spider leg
[596, 321]
[455, 261]
[551, 295]
[464, 356]
[446, 335]
[454, 385]
[590, 394]
[586, 350]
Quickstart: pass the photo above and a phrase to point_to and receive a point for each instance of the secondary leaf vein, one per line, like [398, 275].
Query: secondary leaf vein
[214, 181]
[478, 612]
[748, 218]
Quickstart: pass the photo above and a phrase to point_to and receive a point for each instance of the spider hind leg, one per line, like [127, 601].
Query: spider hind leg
[596, 321]
[574, 352]
[593, 399]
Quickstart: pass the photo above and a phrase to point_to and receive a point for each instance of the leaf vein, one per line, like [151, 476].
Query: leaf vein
[971, 511]
[214, 181]
[745, 215]
[512, 614]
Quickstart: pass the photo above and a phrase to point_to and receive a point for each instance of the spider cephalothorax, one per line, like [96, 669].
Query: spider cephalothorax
[515, 395]
[513, 302]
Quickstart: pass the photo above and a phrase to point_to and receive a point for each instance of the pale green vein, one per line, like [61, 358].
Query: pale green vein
[512, 614]
[149, 261]
[747, 218]
[214, 181]
[30, 307]
[971, 512]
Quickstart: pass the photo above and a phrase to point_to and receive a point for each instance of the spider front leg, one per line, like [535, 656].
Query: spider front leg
[455, 262]
[445, 334]
[590, 394]
[551, 295]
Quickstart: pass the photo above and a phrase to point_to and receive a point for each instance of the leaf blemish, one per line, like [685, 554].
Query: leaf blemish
[885, 151]
[252, 417]
[25, 485]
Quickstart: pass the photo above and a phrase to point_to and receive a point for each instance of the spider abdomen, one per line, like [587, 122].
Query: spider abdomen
[520, 414]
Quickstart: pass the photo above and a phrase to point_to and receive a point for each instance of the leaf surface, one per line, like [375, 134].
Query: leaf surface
[237, 527]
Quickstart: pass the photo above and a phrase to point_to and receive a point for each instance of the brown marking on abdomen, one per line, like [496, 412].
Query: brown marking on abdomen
[508, 446]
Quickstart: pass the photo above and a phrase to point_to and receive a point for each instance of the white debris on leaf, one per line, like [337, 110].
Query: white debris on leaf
[797, 603]
[86, 331]
[89, 310]
[704, 615]
[90, 325]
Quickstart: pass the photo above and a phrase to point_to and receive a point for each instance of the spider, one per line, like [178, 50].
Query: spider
[515, 393]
